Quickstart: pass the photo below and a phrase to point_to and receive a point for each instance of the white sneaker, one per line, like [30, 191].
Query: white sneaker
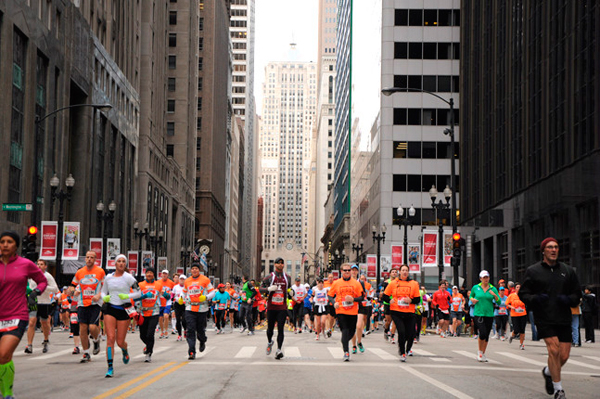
[483, 358]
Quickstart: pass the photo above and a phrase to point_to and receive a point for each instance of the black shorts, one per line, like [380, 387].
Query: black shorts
[563, 332]
[443, 316]
[43, 311]
[317, 312]
[119, 314]
[386, 309]
[17, 332]
[363, 309]
[331, 310]
[484, 326]
[519, 323]
[425, 314]
[89, 314]
[63, 310]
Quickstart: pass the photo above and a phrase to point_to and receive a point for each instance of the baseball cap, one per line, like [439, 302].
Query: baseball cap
[182, 276]
[221, 286]
[454, 287]
[501, 281]
[355, 266]
[298, 279]
[165, 271]
[279, 260]
[502, 288]
[484, 273]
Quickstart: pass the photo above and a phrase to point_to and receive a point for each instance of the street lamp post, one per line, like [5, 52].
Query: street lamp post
[154, 241]
[388, 91]
[358, 249]
[139, 234]
[406, 221]
[105, 218]
[379, 238]
[61, 196]
[441, 206]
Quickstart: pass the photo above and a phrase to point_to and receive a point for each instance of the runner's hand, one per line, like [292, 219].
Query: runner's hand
[349, 298]
[106, 298]
[123, 296]
[272, 288]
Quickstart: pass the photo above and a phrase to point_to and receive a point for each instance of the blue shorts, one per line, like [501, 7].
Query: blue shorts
[165, 309]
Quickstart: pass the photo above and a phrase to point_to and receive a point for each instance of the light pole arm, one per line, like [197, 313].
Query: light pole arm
[390, 90]
[99, 106]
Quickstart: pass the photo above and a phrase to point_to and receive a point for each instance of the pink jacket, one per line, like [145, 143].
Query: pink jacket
[13, 287]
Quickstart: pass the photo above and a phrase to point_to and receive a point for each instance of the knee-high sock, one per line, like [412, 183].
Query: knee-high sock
[109, 357]
[7, 378]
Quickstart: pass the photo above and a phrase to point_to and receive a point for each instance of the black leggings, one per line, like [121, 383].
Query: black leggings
[501, 321]
[348, 327]
[484, 325]
[405, 327]
[179, 317]
[276, 316]
[220, 321]
[147, 330]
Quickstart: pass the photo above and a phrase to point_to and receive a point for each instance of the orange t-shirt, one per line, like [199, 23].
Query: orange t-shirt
[167, 286]
[151, 306]
[458, 302]
[193, 288]
[90, 283]
[340, 289]
[399, 289]
[515, 301]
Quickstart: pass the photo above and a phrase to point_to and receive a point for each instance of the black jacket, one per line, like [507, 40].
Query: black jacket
[550, 292]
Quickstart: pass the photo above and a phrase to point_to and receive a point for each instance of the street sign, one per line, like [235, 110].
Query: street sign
[17, 207]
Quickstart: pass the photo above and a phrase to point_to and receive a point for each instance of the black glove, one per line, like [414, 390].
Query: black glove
[564, 299]
[541, 299]
[32, 296]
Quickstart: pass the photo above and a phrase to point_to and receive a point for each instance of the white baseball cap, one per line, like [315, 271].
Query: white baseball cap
[483, 273]
[165, 271]
[182, 276]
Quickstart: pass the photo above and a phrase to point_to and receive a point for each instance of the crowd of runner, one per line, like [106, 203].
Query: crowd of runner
[97, 307]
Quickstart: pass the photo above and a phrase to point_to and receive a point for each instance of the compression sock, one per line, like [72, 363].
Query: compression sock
[109, 357]
[7, 377]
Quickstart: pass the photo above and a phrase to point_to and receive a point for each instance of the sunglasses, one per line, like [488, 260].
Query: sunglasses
[345, 270]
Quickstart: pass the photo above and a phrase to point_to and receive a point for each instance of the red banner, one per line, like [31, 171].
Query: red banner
[336, 274]
[430, 248]
[132, 258]
[180, 270]
[397, 256]
[372, 266]
[96, 246]
[49, 241]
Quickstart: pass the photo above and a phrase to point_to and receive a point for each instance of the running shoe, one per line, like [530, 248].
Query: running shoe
[109, 373]
[479, 357]
[96, 347]
[483, 358]
[410, 353]
[125, 358]
[76, 351]
[328, 333]
[70, 335]
[361, 348]
[178, 338]
[242, 330]
[202, 346]
[166, 335]
[503, 338]
[354, 350]
[148, 358]
[346, 357]
[86, 358]
[269, 348]
[403, 358]
[510, 339]
[393, 341]
[28, 349]
[45, 346]
[191, 355]
[522, 347]
[160, 336]
[560, 395]
[250, 332]
[278, 354]
[548, 383]
[173, 332]
[317, 337]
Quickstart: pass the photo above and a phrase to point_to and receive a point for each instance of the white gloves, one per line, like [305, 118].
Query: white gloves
[272, 288]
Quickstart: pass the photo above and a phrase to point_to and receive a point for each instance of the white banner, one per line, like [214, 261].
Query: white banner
[113, 248]
[70, 237]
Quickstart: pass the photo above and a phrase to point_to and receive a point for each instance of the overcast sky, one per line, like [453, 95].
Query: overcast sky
[278, 22]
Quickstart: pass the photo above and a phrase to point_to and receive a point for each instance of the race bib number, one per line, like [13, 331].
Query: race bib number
[519, 310]
[444, 311]
[8, 325]
[88, 293]
[222, 306]
[502, 311]
[74, 318]
[277, 298]
[348, 304]
[402, 304]
[131, 312]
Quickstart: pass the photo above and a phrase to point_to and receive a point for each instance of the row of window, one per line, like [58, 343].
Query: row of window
[424, 116]
[425, 149]
[440, 84]
[427, 17]
[422, 183]
[426, 51]
[424, 217]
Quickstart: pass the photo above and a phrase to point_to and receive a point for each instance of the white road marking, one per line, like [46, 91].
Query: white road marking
[596, 358]
[382, 354]
[292, 351]
[154, 352]
[421, 352]
[336, 352]
[438, 384]
[246, 352]
[582, 364]
[522, 359]
[440, 359]
[208, 349]
[52, 355]
[473, 356]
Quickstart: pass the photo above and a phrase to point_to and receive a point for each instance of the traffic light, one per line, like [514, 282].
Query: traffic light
[30, 244]
[456, 249]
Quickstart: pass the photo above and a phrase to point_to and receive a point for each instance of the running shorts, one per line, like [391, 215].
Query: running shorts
[89, 314]
[562, 332]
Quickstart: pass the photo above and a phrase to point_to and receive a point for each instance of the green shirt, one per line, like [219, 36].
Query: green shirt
[485, 305]
[249, 293]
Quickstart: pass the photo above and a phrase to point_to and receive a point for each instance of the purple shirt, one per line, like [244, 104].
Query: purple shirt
[13, 287]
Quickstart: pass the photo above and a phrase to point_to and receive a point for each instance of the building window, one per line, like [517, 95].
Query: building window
[200, 43]
[172, 62]
[171, 84]
[170, 150]
[199, 106]
[170, 128]
[201, 24]
[172, 39]
[172, 17]
[198, 143]
[200, 84]
[400, 148]
[199, 123]
[170, 105]
[198, 163]
[200, 62]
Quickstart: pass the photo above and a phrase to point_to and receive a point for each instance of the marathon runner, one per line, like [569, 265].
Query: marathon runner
[165, 304]
[117, 294]
[233, 305]
[74, 320]
[179, 306]
[63, 300]
[389, 328]
[518, 315]
[319, 300]
[149, 311]
[330, 321]
[276, 286]
[221, 301]
[484, 296]
[441, 303]
[456, 311]
[345, 294]
[14, 314]
[403, 294]
[501, 314]
[89, 279]
[246, 296]
[198, 291]
[44, 305]
[363, 310]
[298, 295]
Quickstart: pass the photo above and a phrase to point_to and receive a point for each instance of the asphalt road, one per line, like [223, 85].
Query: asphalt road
[234, 365]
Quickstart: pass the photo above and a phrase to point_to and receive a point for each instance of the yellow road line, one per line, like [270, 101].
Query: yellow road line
[150, 382]
[135, 380]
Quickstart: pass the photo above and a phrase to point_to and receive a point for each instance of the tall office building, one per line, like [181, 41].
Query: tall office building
[531, 137]
[289, 102]
[243, 102]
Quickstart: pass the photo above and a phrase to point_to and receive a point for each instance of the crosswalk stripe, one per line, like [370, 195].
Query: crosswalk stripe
[51, 355]
[382, 354]
[582, 364]
[421, 352]
[596, 358]
[336, 352]
[246, 352]
[154, 352]
[440, 359]
[207, 350]
[474, 356]
[292, 351]
[522, 358]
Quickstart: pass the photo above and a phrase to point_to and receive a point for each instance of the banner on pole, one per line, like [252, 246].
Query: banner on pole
[49, 240]
[132, 260]
[430, 239]
[113, 248]
[447, 248]
[397, 256]
[414, 258]
[70, 237]
[96, 246]
[162, 264]
[372, 266]
[147, 260]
